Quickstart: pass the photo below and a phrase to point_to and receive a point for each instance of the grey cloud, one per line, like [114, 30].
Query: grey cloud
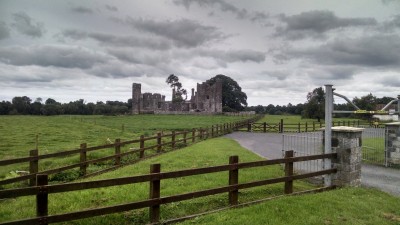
[111, 8]
[223, 57]
[52, 55]
[184, 32]
[243, 56]
[391, 25]
[119, 41]
[139, 57]
[225, 7]
[315, 23]
[371, 51]
[277, 74]
[82, 9]
[390, 81]
[4, 30]
[26, 25]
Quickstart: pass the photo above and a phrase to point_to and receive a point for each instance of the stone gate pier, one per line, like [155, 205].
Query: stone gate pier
[347, 143]
[392, 143]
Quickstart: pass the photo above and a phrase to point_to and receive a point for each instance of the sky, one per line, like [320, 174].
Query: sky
[277, 51]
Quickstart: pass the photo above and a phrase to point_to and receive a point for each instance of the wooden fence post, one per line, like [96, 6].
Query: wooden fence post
[265, 127]
[289, 172]
[141, 153]
[313, 125]
[248, 126]
[33, 166]
[201, 133]
[117, 151]
[281, 128]
[299, 127]
[173, 140]
[82, 154]
[193, 135]
[158, 142]
[306, 127]
[155, 194]
[184, 137]
[212, 131]
[233, 179]
[42, 198]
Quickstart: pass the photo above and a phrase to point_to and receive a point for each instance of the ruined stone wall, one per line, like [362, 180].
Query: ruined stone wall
[208, 99]
[136, 98]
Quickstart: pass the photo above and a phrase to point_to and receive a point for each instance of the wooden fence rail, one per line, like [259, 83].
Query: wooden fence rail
[157, 143]
[155, 200]
[313, 126]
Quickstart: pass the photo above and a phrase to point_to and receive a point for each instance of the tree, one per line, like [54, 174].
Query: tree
[174, 83]
[367, 102]
[51, 107]
[22, 104]
[315, 106]
[233, 98]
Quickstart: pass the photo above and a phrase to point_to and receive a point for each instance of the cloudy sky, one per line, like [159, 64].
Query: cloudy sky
[276, 50]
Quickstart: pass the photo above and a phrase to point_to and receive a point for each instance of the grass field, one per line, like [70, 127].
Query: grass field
[343, 206]
[294, 119]
[19, 134]
[207, 153]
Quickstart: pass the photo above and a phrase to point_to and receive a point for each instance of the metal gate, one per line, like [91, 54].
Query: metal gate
[374, 146]
[305, 144]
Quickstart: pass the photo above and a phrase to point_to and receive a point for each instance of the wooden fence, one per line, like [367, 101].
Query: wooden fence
[157, 143]
[282, 127]
[155, 200]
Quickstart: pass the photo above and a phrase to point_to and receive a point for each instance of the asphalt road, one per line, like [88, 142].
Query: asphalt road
[269, 145]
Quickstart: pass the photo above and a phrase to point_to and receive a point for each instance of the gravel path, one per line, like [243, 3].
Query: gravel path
[269, 145]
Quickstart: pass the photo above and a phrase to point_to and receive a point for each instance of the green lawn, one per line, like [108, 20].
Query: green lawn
[346, 206]
[59, 133]
[206, 153]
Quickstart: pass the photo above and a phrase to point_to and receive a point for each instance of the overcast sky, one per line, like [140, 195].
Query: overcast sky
[276, 50]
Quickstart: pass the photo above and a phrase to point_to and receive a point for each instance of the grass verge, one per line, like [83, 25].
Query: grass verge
[342, 206]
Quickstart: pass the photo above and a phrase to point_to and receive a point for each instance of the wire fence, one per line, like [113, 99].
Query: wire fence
[374, 146]
[305, 144]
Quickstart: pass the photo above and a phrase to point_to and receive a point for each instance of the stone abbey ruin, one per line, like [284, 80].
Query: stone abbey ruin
[207, 99]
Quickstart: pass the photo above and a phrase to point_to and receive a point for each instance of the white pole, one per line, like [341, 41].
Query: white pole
[328, 131]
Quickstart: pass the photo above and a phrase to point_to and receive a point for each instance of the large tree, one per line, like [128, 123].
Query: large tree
[233, 98]
[174, 83]
[315, 106]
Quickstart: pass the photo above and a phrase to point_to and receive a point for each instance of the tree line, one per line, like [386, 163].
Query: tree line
[314, 107]
[25, 106]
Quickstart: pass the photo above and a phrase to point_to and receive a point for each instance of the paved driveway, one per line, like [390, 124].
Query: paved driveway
[269, 145]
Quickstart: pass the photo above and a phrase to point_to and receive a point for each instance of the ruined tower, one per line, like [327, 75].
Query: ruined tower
[136, 96]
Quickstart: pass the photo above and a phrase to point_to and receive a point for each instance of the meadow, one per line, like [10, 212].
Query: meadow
[50, 134]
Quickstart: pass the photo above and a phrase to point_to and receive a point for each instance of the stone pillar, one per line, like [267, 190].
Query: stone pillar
[347, 143]
[393, 143]
[136, 93]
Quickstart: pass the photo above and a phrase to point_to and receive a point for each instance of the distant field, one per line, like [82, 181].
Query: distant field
[55, 133]
[59, 133]
[293, 119]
